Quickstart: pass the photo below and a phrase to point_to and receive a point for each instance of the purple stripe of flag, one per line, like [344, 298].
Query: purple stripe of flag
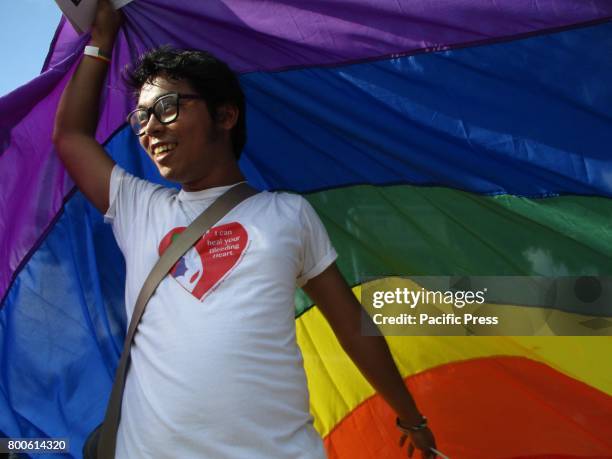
[273, 35]
[250, 36]
[33, 183]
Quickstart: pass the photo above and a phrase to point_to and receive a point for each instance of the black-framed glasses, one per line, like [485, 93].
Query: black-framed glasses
[165, 109]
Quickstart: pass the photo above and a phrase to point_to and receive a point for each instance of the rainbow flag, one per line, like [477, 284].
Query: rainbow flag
[434, 138]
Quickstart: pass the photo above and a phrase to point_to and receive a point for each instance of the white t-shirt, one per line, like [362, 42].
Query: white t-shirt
[216, 371]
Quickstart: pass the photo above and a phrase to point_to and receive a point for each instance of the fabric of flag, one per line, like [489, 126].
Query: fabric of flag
[467, 137]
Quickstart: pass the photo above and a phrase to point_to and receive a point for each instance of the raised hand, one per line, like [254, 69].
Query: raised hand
[106, 25]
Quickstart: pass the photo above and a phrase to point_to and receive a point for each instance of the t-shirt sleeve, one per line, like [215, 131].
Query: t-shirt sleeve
[130, 199]
[318, 252]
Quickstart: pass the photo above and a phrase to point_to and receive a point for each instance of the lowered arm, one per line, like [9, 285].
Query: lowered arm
[370, 353]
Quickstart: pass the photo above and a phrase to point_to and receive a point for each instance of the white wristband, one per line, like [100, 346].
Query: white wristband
[95, 52]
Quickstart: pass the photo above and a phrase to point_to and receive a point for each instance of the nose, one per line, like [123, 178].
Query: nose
[153, 126]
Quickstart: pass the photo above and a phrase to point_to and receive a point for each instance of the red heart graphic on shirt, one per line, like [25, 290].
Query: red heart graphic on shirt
[210, 260]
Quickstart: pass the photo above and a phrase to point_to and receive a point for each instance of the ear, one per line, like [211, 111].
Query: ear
[227, 116]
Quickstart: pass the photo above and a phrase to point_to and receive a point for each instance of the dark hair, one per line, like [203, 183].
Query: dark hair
[209, 76]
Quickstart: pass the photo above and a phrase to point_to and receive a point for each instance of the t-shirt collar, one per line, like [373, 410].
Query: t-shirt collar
[208, 193]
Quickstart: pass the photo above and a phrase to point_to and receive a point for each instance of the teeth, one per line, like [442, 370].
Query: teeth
[164, 148]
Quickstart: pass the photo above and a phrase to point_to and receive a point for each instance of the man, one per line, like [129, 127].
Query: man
[215, 369]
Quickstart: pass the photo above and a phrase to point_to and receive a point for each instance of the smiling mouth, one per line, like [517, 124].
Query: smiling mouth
[163, 150]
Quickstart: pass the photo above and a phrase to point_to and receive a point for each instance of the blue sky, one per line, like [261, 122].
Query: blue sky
[26, 30]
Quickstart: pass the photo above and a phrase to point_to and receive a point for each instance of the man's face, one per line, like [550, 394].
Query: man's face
[189, 149]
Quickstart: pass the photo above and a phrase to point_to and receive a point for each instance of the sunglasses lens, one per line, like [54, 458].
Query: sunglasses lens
[166, 108]
[138, 120]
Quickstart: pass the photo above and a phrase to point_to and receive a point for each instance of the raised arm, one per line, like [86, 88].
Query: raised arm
[370, 353]
[77, 115]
